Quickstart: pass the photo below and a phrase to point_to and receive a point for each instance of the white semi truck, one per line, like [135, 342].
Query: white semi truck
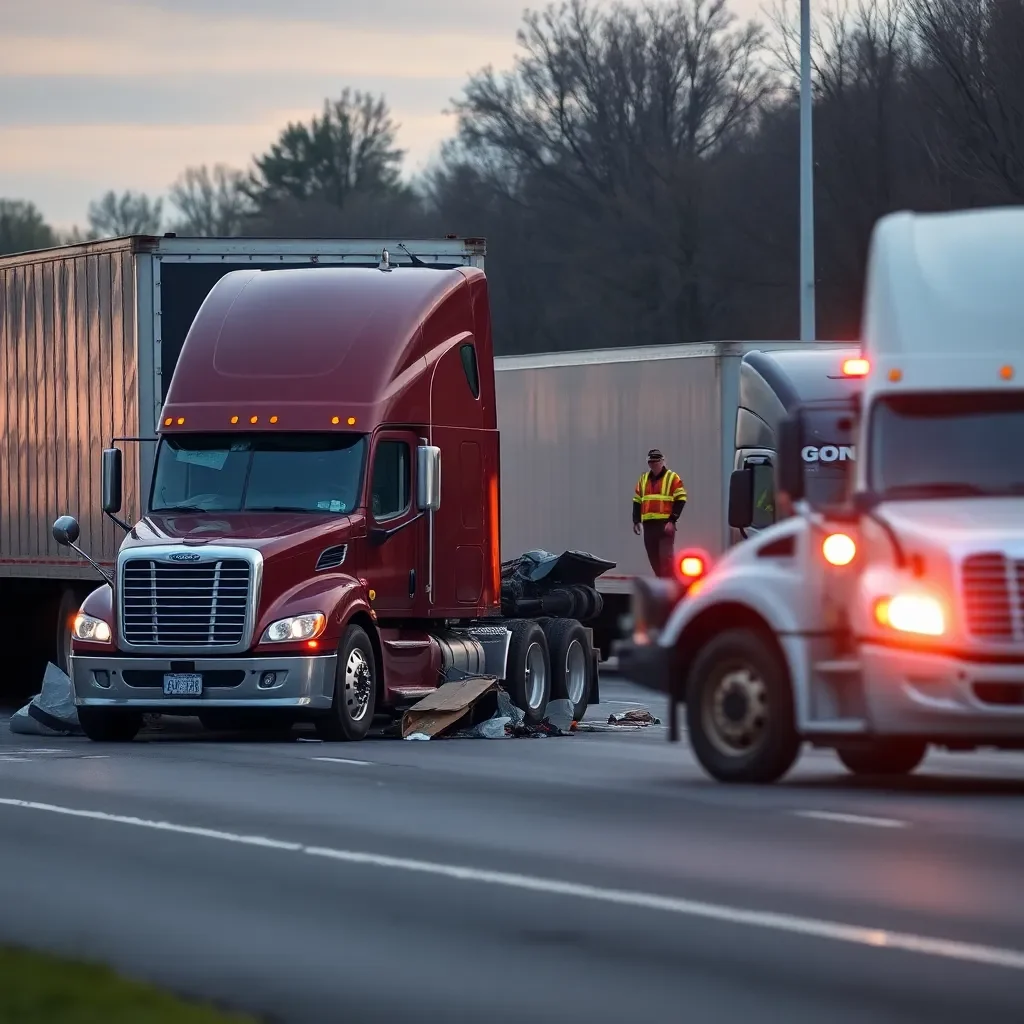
[893, 619]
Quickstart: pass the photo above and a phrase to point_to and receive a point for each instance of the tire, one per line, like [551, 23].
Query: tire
[355, 690]
[739, 710]
[528, 668]
[572, 664]
[884, 757]
[103, 725]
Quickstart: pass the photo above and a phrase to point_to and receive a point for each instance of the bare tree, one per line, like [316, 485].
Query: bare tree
[970, 55]
[131, 213]
[615, 117]
[210, 203]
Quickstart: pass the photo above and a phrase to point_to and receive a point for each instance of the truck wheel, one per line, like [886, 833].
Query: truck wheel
[109, 726]
[884, 757]
[571, 663]
[355, 690]
[528, 668]
[739, 710]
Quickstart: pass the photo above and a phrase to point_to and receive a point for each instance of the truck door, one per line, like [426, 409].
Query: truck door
[395, 539]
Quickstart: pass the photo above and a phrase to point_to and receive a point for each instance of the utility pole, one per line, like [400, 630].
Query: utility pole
[807, 325]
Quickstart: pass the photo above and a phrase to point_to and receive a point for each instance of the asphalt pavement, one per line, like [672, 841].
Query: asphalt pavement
[597, 877]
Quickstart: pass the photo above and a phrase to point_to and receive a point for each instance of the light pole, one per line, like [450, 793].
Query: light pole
[806, 180]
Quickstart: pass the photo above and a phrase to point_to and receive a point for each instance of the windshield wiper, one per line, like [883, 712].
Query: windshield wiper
[181, 508]
[289, 508]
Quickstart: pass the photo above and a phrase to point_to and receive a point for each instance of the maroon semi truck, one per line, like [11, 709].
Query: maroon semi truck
[299, 557]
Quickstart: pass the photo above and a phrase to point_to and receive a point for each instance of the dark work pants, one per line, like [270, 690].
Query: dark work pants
[659, 546]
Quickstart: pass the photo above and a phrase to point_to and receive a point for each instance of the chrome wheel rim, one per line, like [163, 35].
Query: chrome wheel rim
[575, 672]
[734, 711]
[536, 676]
[358, 685]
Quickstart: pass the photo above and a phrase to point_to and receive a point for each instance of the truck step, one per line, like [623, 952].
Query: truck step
[838, 667]
[834, 726]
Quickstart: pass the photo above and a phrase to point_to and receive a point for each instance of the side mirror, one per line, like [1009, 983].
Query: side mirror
[112, 480]
[791, 462]
[741, 498]
[428, 478]
[66, 531]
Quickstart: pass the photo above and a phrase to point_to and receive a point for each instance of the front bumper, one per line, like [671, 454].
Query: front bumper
[917, 693]
[300, 683]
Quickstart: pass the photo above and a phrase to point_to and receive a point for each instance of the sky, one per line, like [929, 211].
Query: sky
[119, 94]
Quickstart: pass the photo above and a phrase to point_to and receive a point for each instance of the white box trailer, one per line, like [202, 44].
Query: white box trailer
[575, 430]
[89, 337]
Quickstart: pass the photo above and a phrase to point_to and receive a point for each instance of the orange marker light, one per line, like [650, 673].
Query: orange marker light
[254, 419]
[234, 419]
[335, 420]
[895, 375]
[351, 421]
[273, 419]
[1006, 372]
[312, 644]
[168, 421]
[856, 367]
[838, 549]
[181, 421]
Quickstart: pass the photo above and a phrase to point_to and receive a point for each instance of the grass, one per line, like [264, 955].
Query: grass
[36, 989]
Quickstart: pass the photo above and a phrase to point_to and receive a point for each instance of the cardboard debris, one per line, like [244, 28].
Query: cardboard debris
[448, 705]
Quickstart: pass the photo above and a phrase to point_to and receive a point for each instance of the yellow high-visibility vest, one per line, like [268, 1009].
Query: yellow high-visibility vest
[656, 497]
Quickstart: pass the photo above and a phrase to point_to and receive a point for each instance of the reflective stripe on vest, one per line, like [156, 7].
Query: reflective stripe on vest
[656, 497]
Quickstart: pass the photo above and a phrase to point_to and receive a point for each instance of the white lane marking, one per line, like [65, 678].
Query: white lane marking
[853, 819]
[878, 938]
[341, 760]
[6, 758]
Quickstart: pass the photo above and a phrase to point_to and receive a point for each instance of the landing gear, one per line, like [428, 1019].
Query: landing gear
[884, 757]
[355, 690]
[739, 710]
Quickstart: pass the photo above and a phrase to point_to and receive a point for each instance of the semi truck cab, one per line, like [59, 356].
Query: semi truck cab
[296, 559]
[890, 618]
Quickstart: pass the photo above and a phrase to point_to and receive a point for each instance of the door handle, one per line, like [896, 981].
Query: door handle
[412, 582]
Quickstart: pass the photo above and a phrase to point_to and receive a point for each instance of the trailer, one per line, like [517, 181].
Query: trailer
[575, 427]
[89, 338]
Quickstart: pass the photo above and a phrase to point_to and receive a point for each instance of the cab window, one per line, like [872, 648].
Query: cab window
[391, 480]
[764, 495]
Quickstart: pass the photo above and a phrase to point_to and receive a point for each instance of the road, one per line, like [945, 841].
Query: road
[598, 877]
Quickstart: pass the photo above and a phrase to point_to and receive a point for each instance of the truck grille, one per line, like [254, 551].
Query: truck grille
[202, 604]
[993, 588]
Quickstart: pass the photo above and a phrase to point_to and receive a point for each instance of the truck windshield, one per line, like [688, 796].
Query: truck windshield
[942, 445]
[317, 473]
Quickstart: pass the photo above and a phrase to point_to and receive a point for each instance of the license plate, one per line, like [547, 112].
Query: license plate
[183, 685]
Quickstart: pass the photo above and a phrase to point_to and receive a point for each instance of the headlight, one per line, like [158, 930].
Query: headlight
[298, 627]
[88, 628]
[912, 613]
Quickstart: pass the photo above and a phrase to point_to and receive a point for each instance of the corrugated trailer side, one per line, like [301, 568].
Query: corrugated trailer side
[575, 430]
[69, 367]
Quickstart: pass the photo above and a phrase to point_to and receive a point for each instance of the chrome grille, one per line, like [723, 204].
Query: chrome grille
[181, 604]
[993, 594]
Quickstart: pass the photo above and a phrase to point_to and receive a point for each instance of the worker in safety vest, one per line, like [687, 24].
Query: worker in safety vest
[658, 502]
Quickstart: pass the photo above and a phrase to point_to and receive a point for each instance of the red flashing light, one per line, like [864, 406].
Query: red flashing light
[692, 565]
[856, 368]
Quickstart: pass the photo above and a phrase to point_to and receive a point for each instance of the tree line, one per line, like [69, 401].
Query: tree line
[636, 172]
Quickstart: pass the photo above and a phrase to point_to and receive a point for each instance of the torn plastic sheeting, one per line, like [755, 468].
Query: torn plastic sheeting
[52, 711]
[448, 705]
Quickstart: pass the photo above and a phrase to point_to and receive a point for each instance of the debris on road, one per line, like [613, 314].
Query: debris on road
[637, 716]
[448, 705]
[52, 711]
